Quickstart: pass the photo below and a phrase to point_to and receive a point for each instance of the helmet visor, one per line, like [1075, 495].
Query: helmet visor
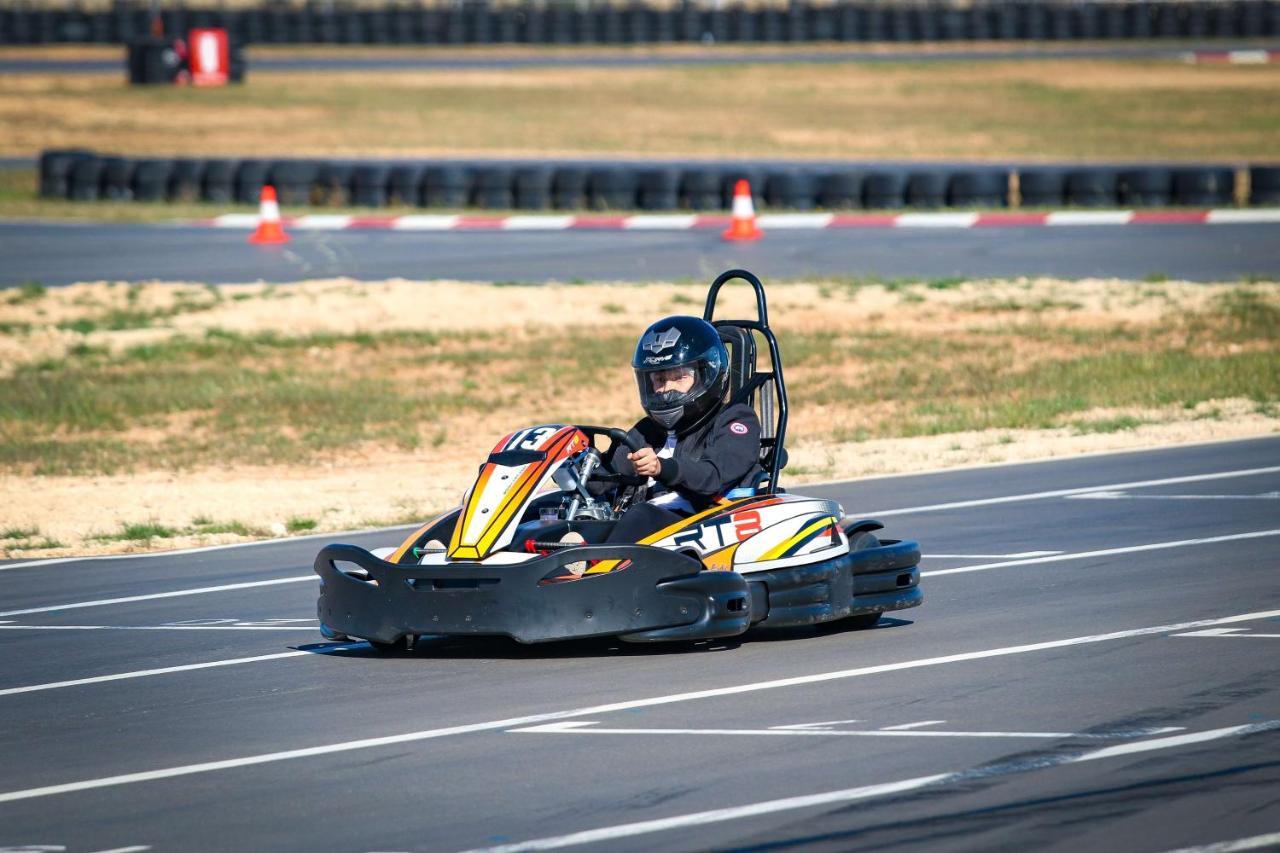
[667, 389]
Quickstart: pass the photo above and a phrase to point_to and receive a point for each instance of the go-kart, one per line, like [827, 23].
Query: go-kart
[498, 565]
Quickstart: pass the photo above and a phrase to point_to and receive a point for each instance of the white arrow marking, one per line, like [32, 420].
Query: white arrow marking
[1271, 839]
[825, 725]
[1240, 633]
[907, 726]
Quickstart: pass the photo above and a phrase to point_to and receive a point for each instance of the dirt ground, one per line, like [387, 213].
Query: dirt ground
[370, 485]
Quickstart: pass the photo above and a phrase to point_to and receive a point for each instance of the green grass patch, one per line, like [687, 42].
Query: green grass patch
[19, 532]
[1107, 425]
[139, 532]
[298, 524]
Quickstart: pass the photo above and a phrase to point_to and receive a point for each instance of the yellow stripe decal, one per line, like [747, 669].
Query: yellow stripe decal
[778, 550]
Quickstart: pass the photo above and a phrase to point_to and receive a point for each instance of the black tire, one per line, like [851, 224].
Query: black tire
[55, 171]
[251, 176]
[884, 190]
[612, 188]
[151, 180]
[978, 189]
[927, 189]
[369, 185]
[569, 188]
[1264, 185]
[494, 188]
[839, 190]
[333, 184]
[1091, 188]
[217, 182]
[862, 541]
[533, 188]
[184, 180]
[659, 189]
[1204, 187]
[1042, 187]
[117, 179]
[789, 190]
[85, 180]
[1145, 187]
[294, 180]
[700, 189]
[446, 185]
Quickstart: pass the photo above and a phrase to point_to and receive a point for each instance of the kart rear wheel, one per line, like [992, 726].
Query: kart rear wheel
[861, 542]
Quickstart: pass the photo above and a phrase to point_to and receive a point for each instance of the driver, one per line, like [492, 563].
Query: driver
[696, 448]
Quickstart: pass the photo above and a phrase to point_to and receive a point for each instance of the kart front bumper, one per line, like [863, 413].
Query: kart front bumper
[661, 595]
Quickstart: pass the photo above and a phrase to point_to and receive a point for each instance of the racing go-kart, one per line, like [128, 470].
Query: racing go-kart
[760, 557]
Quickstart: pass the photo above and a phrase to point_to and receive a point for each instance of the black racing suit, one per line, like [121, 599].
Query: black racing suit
[719, 454]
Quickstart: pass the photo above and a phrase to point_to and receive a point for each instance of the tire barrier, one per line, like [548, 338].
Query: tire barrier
[481, 23]
[81, 175]
[1264, 185]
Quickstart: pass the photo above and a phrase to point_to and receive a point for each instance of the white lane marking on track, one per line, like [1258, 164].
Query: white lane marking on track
[1116, 496]
[629, 830]
[137, 848]
[589, 728]
[907, 726]
[1104, 552]
[176, 593]
[1237, 633]
[1271, 839]
[166, 670]
[823, 725]
[179, 552]
[595, 710]
[988, 556]
[1062, 493]
[311, 628]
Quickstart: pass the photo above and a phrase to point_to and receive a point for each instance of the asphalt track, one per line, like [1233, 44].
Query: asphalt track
[57, 254]
[709, 56]
[1093, 668]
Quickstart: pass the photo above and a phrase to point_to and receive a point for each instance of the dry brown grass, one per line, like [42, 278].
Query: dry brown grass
[980, 110]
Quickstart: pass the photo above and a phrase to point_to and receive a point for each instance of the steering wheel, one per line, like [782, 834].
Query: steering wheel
[616, 437]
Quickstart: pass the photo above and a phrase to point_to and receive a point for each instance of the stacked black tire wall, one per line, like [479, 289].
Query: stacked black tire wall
[83, 175]
[480, 23]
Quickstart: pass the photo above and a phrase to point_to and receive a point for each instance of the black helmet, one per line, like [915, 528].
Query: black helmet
[681, 342]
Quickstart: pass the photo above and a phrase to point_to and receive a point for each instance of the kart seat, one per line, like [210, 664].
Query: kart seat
[756, 388]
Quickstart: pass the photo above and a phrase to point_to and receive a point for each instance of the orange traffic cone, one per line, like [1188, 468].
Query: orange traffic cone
[743, 226]
[269, 228]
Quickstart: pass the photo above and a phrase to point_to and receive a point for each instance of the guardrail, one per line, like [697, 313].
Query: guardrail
[82, 175]
[480, 23]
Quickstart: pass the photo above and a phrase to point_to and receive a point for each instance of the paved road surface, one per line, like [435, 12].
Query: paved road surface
[1093, 668]
[62, 253]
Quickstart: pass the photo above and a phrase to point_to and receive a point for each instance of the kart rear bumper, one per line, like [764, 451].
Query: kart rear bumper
[661, 595]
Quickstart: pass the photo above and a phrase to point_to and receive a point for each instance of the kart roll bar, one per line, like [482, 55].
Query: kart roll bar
[761, 325]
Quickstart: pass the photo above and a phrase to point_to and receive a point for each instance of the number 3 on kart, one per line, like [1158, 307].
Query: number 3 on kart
[530, 439]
